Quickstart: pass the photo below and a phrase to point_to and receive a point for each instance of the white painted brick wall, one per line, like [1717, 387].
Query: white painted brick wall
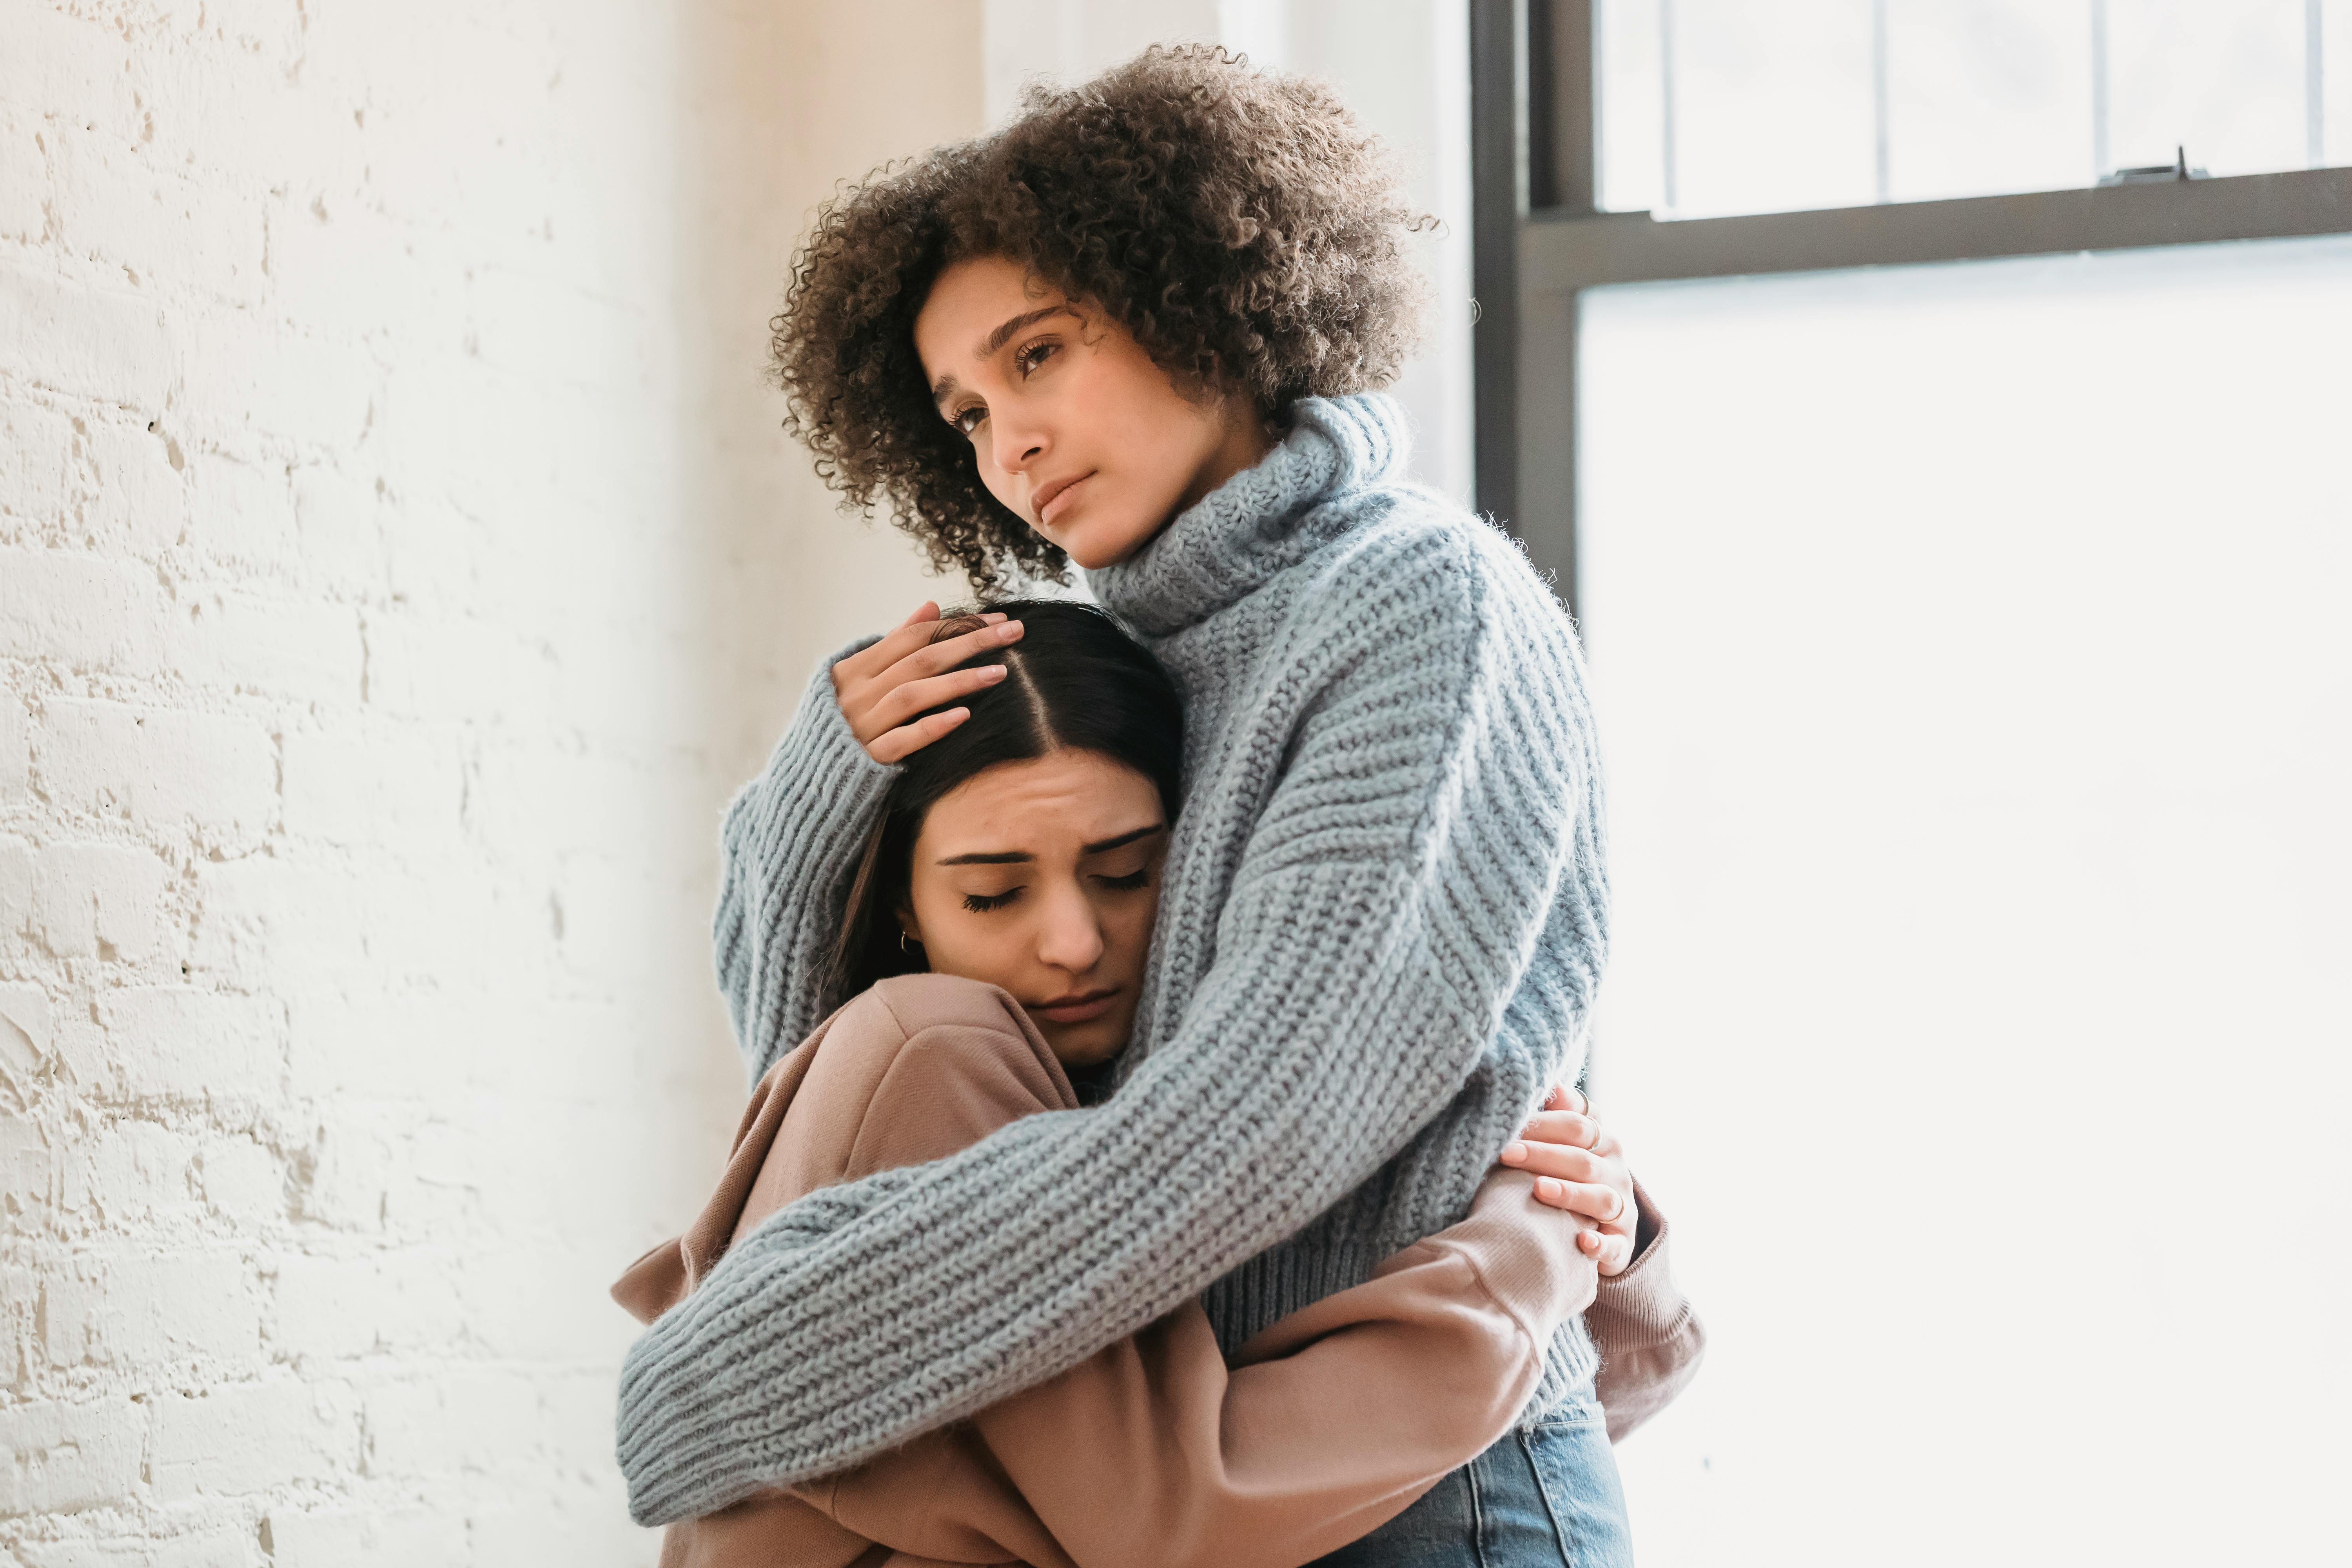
[398, 567]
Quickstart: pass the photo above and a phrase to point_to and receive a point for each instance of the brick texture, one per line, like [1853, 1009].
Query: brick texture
[399, 566]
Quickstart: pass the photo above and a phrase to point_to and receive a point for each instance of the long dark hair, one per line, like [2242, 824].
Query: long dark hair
[1075, 681]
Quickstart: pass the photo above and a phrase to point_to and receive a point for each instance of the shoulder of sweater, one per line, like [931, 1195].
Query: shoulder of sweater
[1419, 559]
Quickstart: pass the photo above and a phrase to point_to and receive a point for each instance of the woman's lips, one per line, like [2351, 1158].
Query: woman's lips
[1077, 1009]
[1055, 498]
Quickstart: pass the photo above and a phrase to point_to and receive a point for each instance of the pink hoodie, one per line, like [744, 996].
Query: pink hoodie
[1154, 1450]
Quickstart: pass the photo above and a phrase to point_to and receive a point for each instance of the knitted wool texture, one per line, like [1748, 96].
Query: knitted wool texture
[1382, 924]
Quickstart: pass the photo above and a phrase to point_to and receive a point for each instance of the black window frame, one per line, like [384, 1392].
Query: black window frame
[1538, 241]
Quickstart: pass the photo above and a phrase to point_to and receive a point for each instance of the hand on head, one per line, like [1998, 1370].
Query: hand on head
[882, 689]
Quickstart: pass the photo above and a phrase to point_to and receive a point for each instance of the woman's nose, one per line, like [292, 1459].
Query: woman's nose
[1018, 445]
[1071, 937]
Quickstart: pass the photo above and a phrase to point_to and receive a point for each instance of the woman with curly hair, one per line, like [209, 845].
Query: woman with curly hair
[1142, 330]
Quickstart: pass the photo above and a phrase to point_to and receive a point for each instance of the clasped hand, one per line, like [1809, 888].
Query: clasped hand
[1581, 1167]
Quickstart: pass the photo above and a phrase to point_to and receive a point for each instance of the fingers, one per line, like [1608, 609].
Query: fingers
[893, 644]
[910, 636]
[1563, 1097]
[904, 701]
[1612, 1250]
[1564, 1160]
[1604, 1207]
[931, 658]
[915, 675]
[908, 739]
[1562, 1127]
[1594, 1202]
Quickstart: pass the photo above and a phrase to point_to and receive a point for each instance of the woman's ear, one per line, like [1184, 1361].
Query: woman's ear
[910, 930]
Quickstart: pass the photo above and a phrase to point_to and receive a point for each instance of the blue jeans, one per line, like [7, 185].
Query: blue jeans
[1544, 1497]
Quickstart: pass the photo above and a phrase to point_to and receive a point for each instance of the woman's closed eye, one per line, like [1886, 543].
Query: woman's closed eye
[1139, 877]
[980, 903]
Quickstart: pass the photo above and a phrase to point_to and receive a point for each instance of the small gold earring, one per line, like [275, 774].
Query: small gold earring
[902, 939]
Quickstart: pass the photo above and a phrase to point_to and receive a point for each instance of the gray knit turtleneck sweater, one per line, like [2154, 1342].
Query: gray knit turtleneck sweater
[1380, 928]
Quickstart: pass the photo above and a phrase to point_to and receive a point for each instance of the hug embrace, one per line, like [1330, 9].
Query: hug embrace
[1163, 1015]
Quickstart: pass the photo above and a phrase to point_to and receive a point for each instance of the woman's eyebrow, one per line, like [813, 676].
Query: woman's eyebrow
[1128, 837]
[1004, 334]
[947, 386]
[1022, 857]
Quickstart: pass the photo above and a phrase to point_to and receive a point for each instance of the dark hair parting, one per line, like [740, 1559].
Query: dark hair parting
[1075, 681]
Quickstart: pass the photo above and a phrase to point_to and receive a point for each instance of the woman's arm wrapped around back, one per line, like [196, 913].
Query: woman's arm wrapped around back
[1390, 897]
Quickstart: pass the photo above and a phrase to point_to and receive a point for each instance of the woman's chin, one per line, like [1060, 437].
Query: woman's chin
[1090, 555]
[1087, 1044]
[1094, 543]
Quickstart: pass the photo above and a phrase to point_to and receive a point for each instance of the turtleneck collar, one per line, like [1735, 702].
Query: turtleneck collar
[1263, 520]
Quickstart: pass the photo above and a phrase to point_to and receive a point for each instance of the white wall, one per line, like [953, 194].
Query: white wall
[399, 565]
[1403, 66]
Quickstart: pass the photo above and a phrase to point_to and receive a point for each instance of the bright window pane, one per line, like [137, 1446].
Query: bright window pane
[1772, 105]
[1975, 680]
[2336, 80]
[1987, 96]
[2223, 81]
[1629, 106]
[1714, 107]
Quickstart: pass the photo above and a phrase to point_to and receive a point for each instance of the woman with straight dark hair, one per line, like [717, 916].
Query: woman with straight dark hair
[998, 924]
[1141, 330]
[1077, 683]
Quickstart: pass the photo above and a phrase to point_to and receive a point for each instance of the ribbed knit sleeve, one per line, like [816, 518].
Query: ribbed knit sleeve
[1428, 784]
[1650, 1339]
[789, 842]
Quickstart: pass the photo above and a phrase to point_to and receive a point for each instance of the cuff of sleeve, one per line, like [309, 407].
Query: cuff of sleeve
[1645, 1295]
[818, 760]
[1525, 1255]
[828, 728]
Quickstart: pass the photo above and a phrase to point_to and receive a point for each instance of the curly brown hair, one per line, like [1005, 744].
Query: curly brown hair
[1239, 223]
